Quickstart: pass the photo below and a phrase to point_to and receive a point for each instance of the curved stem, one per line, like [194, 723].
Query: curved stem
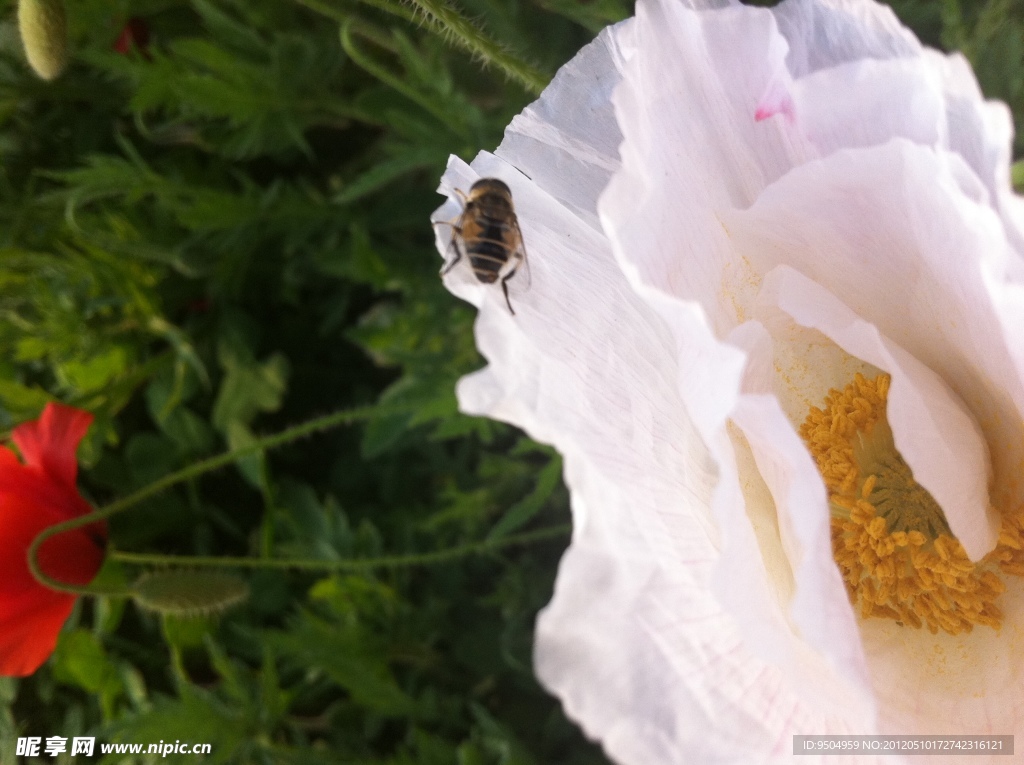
[445, 21]
[454, 27]
[351, 564]
[366, 62]
[195, 470]
[341, 15]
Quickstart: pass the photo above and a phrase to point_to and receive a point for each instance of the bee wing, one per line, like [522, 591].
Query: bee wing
[524, 262]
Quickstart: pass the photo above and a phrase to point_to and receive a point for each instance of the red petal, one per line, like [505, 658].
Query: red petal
[33, 497]
[28, 634]
[49, 443]
[52, 502]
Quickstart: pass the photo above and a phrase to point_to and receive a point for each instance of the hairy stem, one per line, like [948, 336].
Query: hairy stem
[366, 62]
[333, 420]
[445, 21]
[453, 26]
[350, 564]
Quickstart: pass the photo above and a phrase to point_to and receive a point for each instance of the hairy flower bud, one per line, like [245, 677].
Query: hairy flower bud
[189, 593]
[44, 32]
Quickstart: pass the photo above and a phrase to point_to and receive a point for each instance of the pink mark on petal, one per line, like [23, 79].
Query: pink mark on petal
[775, 103]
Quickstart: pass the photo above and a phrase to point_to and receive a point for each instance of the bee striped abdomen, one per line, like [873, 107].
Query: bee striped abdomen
[488, 253]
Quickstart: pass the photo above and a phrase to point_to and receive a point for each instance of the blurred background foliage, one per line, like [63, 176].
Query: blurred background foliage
[216, 224]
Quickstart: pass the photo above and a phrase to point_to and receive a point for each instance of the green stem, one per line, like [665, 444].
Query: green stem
[451, 25]
[351, 564]
[195, 470]
[341, 15]
[446, 22]
[365, 61]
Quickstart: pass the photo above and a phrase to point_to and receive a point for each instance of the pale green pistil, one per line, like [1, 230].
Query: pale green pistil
[904, 503]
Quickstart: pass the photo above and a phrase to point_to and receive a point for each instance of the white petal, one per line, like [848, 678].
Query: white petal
[695, 616]
[669, 124]
[981, 132]
[826, 33]
[820, 612]
[908, 243]
[587, 366]
[569, 136]
[866, 103]
[686, 109]
[971, 683]
[859, 49]
[927, 419]
[634, 641]
[918, 273]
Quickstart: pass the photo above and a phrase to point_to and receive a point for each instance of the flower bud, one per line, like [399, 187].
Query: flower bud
[189, 593]
[44, 32]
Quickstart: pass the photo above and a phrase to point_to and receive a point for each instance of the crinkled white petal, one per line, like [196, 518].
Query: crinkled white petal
[570, 134]
[917, 274]
[927, 416]
[826, 33]
[796, 505]
[853, 46]
[868, 102]
[634, 641]
[587, 366]
[966, 683]
[686, 105]
[663, 214]
[698, 615]
[906, 236]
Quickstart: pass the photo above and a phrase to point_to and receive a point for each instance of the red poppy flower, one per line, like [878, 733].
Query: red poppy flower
[33, 496]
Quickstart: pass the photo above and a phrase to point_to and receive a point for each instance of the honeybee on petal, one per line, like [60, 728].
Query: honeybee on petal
[488, 233]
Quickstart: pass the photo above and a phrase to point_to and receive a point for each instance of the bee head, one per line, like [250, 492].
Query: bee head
[490, 187]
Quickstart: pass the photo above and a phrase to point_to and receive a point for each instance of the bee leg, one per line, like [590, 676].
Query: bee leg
[504, 289]
[454, 245]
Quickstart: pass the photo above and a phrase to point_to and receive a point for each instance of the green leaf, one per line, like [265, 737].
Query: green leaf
[1017, 175]
[469, 754]
[186, 631]
[249, 387]
[499, 740]
[351, 660]
[80, 660]
[172, 386]
[308, 528]
[190, 433]
[195, 715]
[403, 162]
[22, 400]
[523, 511]
[95, 372]
[382, 432]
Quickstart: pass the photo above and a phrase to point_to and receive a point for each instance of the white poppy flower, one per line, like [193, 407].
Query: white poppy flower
[730, 211]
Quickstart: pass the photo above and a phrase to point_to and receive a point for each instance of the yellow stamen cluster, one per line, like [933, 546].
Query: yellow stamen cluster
[896, 553]
[1009, 553]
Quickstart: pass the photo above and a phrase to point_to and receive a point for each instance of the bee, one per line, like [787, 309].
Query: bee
[488, 231]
